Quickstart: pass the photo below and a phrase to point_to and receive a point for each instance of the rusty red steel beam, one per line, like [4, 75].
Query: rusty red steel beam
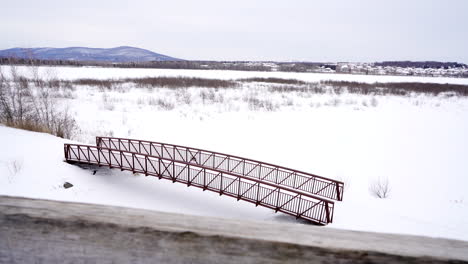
[265, 194]
[307, 182]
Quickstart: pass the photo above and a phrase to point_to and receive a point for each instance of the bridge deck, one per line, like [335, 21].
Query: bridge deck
[302, 181]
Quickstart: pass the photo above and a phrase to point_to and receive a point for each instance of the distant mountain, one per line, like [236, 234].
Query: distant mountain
[119, 54]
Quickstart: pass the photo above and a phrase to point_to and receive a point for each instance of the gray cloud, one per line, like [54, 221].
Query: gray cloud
[335, 30]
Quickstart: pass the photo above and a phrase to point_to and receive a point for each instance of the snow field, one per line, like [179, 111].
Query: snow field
[73, 73]
[417, 142]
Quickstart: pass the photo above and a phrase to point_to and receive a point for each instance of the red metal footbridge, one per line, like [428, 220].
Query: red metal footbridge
[300, 194]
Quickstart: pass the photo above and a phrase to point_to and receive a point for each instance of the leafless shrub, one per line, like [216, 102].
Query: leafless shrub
[338, 90]
[53, 83]
[402, 88]
[103, 84]
[284, 88]
[180, 82]
[120, 87]
[203, 95]
[219, 98]
[272, 80]
[212, 95]
[316, 88]
[151, 101]
[281, 88]
[15, 166]
[208, 95]
[32, 108]
[380, 188]
[184, 96]
[269, 106]
[153, 82]
[256, 104]
[313, 88]
[16, 102]
[162, 103]
[106, 102]
[63, 125]
[67, 85]
[68, 94]
[141, 101]
[333, 102]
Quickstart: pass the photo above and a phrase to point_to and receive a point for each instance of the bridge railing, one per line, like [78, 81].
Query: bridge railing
[306, 182]
[286, 200]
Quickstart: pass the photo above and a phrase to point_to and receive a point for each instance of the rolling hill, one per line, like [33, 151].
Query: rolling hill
[118, 54]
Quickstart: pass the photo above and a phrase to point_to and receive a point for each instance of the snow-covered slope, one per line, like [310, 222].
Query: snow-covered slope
[421, 151]
[118, 54]
[417, 142]
[31, 165]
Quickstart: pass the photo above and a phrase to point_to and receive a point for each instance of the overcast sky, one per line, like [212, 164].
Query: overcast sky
[325, 30]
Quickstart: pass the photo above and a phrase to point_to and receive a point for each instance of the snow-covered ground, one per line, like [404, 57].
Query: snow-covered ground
[71, 73]
[417, 142]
